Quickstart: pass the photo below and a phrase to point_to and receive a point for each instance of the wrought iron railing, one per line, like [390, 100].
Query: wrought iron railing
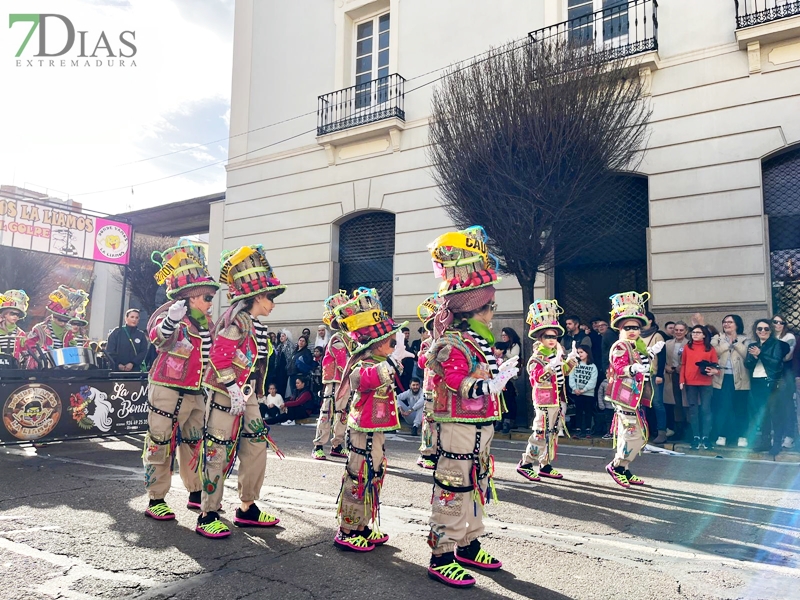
[624, 29]
[375, 100]
[756, 12]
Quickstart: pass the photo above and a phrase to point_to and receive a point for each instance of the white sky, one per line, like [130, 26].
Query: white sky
[71, 130]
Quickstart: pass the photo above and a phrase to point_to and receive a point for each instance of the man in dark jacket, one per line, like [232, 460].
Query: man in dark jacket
[574, 334]
[128, 346]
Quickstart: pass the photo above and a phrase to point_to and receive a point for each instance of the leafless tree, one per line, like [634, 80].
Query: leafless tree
[26, 270]
[141, 269]
[528, 141]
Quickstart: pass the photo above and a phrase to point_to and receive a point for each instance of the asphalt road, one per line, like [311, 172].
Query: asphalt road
[72, 526]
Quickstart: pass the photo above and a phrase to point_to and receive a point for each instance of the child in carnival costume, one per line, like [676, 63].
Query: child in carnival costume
[332, 422]
[64, 304]
[13, 307]
[548, 371]
[78, 326]
[629, 384]
[427, 448]
[180, 331]
[370, 376]
[239, 361]
[468, 388]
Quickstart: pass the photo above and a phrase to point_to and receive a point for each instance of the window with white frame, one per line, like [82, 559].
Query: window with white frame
[372, 60]
[606, 29]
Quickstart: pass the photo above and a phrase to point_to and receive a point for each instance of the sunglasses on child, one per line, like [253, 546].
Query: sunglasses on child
[549, 337]
[208, 297]
[632, 328]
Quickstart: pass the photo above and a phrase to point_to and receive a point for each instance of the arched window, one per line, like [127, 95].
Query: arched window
[366, 254]
[781, 176]
[597, 263]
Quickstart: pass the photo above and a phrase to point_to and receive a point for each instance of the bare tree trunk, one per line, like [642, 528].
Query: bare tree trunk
[524, 405]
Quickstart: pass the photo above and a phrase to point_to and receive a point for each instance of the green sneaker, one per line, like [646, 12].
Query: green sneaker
[318, 453]
[211, 527]
[160, 512]
[451, 573]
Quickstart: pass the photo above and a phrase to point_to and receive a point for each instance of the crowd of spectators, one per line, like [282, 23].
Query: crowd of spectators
[731, 388]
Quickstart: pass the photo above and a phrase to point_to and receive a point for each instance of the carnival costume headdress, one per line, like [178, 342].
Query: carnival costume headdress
[16, 299]
[69, 303]
[428, 309]
[247, 273]
[542, 315]
[183, 268]
[331, 303]
[628, 305]
[468, 272]
[363, 319]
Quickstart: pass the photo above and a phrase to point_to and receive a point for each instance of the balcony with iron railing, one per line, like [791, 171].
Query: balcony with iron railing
[369, 102]
[625, 29]
[758, 12]
[765, 22]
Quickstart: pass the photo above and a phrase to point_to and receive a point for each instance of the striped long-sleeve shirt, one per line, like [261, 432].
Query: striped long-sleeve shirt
[481, 388]
[168, 327]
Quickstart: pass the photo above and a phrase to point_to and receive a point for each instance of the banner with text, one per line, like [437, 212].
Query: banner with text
[31, 225]
[62, 409]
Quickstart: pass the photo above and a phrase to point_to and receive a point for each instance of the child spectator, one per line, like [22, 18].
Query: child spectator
[582, 381]
[271, 405]
[605, 411]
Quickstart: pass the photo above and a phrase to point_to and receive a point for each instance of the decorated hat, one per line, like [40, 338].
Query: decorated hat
[428, 309]
[16, 299]
[247, 273]
[363, 319]
[628, 305]
[70, 303]
[328, 316]
[543, 314]
[462, 260]
[183, 268]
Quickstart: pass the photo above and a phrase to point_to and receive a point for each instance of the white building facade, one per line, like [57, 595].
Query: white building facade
[332, 174]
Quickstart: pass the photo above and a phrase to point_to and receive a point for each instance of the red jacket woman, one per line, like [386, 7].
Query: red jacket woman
[698, 367]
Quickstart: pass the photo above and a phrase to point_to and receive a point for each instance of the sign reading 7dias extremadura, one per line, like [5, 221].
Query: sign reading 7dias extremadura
[30, 225]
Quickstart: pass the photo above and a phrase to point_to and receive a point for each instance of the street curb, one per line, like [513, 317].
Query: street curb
[786, 456]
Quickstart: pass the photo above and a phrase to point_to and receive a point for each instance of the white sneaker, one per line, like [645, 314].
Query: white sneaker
[787, 442]
[288, 423]
[721, 441]
[670, 433]
[742, 443]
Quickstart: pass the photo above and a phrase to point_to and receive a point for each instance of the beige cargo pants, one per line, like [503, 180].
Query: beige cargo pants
[430, 435]
[332, 418]
[543, 442]
[629, 437]
[156, 456]
[456, 518]
[358, 508]
[220, 444]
